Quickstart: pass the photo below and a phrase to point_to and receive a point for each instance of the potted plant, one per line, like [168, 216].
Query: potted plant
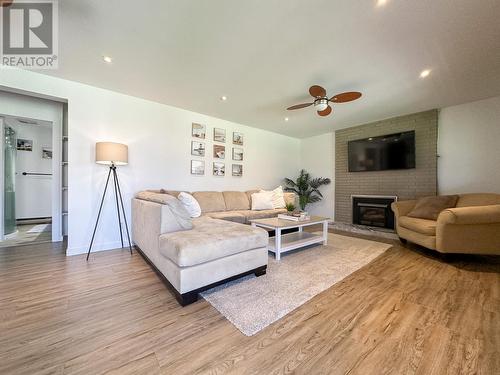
[306, 188]
[290, 207]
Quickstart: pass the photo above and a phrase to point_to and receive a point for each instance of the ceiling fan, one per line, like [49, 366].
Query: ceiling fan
[321, 101]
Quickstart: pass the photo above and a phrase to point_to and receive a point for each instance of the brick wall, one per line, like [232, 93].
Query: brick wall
[406, 184]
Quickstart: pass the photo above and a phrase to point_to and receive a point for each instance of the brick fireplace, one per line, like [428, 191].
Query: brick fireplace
[405, 184]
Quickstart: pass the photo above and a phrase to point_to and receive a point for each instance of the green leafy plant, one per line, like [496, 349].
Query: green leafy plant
[290, 207]
[306, 188]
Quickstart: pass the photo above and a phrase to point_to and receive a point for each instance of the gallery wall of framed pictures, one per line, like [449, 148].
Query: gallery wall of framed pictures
[218, 154]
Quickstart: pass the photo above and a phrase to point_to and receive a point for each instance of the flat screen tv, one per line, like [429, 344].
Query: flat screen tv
[393, 151]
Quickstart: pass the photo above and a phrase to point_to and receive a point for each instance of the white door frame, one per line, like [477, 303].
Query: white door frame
[56, 190]
[2, 180]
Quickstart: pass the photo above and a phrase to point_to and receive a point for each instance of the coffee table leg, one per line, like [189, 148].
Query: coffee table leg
[277, 243]
[325, 232]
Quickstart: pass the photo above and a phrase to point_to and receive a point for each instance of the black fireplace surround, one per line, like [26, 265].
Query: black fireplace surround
[373, 211]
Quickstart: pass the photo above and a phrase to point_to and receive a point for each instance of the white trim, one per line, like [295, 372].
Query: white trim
[114, 245]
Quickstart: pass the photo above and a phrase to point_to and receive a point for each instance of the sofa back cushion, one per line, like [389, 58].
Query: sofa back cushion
[210, 201]
[479, 199]
[236, 200]
[430, 207]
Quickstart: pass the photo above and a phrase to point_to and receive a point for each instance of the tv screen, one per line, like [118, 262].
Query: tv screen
[393, 151]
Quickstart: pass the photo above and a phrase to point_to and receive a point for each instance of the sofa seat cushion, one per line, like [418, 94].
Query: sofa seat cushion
[423, 226]
[263, 214]
[228, 215]
[210, 239]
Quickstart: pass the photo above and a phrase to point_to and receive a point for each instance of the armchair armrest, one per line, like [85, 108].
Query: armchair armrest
[470, 215]
[402, 208]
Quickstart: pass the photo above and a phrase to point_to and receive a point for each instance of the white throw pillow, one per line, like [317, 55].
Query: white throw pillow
[278, 197]
[191, 204]
[262, 201]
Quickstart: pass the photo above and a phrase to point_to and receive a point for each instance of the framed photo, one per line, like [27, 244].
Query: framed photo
[219, 152]
[220, 135]
[219, 169]
[198, 167]
[197, 148]
[237, 170]
[198, 130]
[46, 153]
[238, 138]
[24, 144]
[237, 154]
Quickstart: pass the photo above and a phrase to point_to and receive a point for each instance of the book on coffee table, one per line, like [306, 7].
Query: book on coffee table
[293, 218]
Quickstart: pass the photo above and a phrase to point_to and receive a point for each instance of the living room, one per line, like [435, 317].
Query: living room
[173, 128]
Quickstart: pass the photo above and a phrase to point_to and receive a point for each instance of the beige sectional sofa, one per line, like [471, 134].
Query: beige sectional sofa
[472, 227]
[219, 246]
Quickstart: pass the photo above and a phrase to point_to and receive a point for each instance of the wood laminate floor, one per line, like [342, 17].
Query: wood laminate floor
[406, 312]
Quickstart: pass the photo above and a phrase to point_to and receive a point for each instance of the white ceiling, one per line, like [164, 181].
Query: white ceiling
[264, 55]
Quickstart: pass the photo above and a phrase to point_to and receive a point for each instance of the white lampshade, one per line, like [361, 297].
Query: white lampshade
[111, 153]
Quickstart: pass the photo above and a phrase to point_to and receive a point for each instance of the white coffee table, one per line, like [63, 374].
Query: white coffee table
[282, 243]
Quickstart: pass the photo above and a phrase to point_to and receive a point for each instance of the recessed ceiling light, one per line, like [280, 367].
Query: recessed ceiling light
[107, 59]
[286, 118]
[425, 73]
[223, 98]
[381, 3]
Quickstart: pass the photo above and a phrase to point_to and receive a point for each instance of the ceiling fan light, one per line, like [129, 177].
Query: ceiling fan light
[321, 105]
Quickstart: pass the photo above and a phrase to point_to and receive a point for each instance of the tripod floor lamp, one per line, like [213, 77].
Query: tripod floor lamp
[112, 154]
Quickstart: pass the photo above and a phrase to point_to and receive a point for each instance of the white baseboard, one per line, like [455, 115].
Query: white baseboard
[96, 247]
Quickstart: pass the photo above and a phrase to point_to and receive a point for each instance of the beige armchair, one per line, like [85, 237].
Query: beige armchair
[472, 227]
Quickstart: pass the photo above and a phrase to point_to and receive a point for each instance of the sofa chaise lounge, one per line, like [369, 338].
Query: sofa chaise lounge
[219, 247]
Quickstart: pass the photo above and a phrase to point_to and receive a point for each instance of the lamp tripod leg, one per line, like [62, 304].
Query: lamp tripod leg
[123, 210]
[99, 214]
[115, 181]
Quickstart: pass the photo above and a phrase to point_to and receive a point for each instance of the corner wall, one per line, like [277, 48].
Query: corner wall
[469, 148]
[318, 158]
[406, 184]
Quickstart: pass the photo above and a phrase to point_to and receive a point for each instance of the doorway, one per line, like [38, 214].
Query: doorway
[27, 181]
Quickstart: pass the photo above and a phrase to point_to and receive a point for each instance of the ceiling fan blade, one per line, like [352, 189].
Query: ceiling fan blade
[299, 106]
[346, 97]
[317, 91]
[326, 112]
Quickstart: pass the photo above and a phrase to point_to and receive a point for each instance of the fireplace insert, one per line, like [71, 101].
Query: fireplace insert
[373, 211]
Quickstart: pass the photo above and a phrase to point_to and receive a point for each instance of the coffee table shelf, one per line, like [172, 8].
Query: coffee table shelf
[294, 240]
[281, 243]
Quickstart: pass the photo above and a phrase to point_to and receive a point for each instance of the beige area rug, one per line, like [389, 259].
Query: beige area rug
[252, 303]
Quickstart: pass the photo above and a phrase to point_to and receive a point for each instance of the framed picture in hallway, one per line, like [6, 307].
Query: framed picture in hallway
[197, 148]
[198, 130]
[237, 154]
[237, 170]
[238, 138]
[220, 135]
[219, 169]
[46, 153]
[197, 167]
[24, 144]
